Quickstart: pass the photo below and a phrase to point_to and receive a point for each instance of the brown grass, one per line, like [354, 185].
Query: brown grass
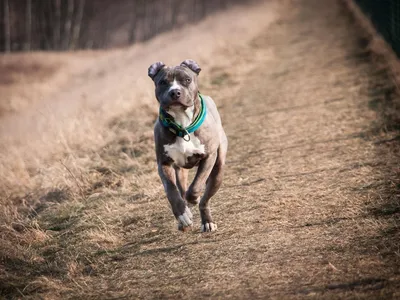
[310, 203]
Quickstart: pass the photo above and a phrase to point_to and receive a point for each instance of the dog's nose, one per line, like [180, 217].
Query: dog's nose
[175, 94]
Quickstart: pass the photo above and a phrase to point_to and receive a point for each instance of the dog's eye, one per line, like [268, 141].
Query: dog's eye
[188, 80]
[162, 82]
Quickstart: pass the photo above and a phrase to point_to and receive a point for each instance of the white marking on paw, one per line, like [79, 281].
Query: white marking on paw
[189, 212]
[208, 227]
[186, 218]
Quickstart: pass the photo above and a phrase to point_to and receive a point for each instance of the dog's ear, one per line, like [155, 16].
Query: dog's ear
[155, 68]
[192, 65]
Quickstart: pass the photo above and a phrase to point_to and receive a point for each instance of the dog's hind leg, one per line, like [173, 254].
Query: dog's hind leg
[213, 184]
[181, 179]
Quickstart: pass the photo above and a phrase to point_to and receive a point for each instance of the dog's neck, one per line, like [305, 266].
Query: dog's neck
[185, 117]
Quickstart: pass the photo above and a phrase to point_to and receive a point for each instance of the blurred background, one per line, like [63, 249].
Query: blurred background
[93, 24]
[308, 91]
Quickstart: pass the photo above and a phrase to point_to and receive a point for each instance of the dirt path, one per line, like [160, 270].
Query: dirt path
[310, 204]
[304, 176]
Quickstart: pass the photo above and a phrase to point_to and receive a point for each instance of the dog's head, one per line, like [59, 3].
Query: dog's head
[175, 86]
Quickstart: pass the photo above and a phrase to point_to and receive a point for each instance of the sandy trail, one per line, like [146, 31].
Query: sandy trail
[310, 204]
[299, 210]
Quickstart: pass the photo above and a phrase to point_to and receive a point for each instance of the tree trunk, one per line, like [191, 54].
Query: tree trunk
[68, 25]
[7, 29]
[57, 25]
[77, 25]
[28, 26]
[132, 29]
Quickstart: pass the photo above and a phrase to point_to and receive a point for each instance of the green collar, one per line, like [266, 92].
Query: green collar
[168, 122]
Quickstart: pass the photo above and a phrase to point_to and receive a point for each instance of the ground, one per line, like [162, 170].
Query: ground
[309, 207]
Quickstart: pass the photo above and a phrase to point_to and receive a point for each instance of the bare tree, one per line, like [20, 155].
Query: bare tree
[133, 25]
[44, 25]
[68, 25]
[7, 30]
[57, 24]
[77, 25]
[28, 26]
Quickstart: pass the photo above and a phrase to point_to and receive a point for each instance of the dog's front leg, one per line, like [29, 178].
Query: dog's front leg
[197, 186]
[181, 212]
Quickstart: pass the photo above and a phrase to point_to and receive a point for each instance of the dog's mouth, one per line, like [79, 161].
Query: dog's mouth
[176, 105]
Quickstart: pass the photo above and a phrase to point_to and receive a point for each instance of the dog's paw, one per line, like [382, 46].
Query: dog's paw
[185, 220]
[208, 227]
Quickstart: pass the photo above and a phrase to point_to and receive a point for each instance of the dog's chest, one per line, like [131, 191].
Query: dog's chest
[182, 152]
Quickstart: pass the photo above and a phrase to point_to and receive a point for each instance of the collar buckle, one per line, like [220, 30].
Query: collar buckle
[186, 133]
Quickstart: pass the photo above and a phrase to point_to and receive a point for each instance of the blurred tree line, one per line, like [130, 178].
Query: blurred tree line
[82, 24]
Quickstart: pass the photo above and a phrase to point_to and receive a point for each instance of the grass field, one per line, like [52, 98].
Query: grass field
[310, 204]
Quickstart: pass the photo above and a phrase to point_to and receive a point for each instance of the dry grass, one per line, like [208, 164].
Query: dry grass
[71, 109]
[64, 148]
[310, 204]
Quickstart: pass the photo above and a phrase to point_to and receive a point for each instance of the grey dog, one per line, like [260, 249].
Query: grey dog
[188, 133]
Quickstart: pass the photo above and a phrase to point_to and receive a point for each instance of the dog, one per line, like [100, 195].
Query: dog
[188, 133]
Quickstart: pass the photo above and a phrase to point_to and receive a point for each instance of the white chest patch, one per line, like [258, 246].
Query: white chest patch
[181, 150]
